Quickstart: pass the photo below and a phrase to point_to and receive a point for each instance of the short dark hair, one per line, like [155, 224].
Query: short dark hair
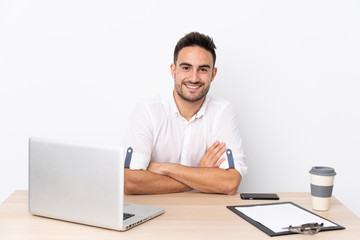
[195, 39]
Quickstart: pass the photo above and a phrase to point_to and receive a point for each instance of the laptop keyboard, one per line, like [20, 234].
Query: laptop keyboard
[128, 215]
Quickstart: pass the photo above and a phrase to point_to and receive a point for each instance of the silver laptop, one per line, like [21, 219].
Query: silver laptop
[82, 183]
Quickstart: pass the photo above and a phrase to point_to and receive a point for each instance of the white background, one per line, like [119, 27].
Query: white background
[74, 70]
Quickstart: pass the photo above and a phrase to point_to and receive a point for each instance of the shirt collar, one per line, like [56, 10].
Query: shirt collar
[202, 110]
[174, 108]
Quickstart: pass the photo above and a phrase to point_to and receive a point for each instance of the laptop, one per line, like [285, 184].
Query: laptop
[82, 183]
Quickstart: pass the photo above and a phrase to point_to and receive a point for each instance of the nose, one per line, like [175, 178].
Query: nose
[194, 76]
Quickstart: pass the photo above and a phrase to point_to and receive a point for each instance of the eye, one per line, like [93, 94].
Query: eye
[203, 69]
[186, 68]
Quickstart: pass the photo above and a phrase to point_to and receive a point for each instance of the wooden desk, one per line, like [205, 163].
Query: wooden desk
[187, 216]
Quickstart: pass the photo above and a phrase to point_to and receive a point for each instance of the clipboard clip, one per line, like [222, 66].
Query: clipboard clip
[307, 228]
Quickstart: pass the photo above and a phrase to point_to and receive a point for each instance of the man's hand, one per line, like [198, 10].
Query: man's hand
[207, 177]
[204, 179]
[212, 156]
[211, 159]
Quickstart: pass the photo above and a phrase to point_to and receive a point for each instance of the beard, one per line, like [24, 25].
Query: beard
[194, 98]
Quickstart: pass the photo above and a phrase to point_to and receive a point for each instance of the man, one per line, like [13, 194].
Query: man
[185, 140]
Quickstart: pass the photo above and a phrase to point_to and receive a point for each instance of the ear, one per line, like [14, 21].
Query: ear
[172, 70]
[214, 71]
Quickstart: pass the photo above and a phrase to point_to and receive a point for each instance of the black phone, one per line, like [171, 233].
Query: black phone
[259, 196]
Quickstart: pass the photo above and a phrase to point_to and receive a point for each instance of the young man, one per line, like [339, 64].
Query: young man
[185, 140]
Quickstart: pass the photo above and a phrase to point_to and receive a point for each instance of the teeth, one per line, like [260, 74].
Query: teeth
[191, 86]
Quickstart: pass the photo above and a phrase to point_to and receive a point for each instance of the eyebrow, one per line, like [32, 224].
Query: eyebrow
[188, 64]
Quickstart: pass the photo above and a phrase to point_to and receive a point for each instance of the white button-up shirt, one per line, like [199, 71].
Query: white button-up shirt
[157, 132]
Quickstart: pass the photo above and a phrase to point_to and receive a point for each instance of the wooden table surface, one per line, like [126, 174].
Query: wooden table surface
[187, 215]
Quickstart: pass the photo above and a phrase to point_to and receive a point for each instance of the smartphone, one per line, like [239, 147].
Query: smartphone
[259, 196]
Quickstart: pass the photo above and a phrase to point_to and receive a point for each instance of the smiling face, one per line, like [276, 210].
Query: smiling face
[193, 73]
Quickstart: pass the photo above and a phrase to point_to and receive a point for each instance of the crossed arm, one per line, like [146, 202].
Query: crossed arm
[169, 177]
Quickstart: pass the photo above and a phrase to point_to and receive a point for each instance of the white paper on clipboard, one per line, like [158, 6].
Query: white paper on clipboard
[279, 216]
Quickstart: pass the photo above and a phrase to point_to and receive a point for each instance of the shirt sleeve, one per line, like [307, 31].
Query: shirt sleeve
[226, 129]
[139, 137]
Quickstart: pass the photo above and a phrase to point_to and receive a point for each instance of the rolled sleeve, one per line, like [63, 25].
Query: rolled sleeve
[139, 161]
[227, 130]
[139, 137]
[239, 163]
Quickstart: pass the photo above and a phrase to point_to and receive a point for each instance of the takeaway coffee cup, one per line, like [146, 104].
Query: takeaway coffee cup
[322, 182]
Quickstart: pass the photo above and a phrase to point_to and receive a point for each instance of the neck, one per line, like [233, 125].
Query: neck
[187, 109]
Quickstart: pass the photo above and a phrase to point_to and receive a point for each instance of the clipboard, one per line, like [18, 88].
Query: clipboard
[251, 213]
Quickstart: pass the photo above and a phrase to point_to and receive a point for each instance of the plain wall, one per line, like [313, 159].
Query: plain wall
[74, 70]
